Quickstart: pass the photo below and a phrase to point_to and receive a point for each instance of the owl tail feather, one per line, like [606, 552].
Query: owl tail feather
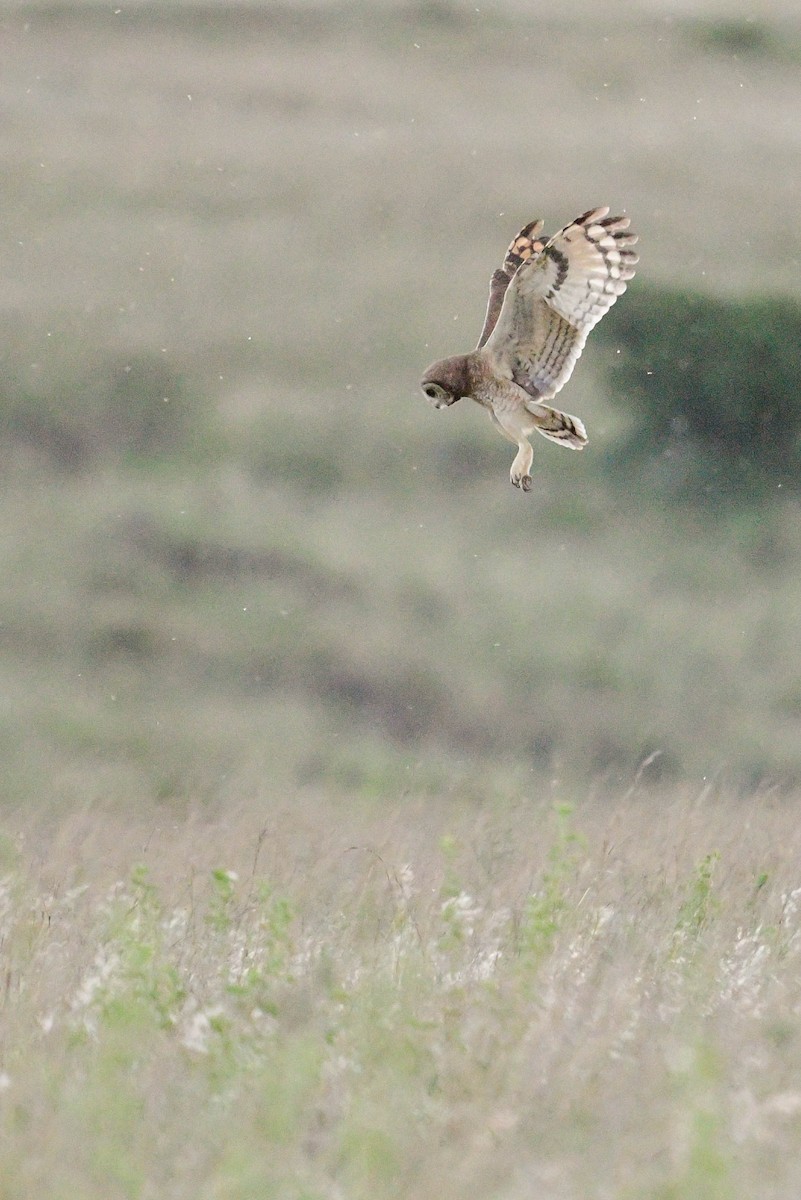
[559, 426]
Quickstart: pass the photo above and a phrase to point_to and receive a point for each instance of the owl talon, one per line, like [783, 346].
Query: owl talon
[522, 481]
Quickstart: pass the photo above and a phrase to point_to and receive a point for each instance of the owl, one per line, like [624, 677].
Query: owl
[543, 302]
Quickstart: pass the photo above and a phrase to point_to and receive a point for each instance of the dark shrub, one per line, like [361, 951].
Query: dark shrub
[713, 384]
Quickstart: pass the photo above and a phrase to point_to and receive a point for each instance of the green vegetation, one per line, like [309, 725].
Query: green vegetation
[546, 909]
[489, 1001]
[699, 903]
[714, 388]
[747, 38]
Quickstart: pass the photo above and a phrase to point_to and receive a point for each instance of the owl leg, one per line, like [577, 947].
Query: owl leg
[520, 474]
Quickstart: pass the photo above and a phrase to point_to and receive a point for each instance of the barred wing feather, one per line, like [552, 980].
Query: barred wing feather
[557, 297]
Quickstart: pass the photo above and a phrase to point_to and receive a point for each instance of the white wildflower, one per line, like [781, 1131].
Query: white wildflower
[405, 877]
[463, 910]
[75, 892]
[198, 1028]
[603, 915]
[240, 957]
[754, 1121]
[783, 1104]
[743, 973]
[484, 964]
[265, 1022]
[95, 984]
[790, 903]
[6, 905]
[176, 922]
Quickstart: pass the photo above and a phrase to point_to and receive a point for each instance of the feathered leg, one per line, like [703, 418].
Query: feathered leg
[558, 426]
[520, 473]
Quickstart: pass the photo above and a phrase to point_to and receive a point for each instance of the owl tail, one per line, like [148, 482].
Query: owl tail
[559, 426]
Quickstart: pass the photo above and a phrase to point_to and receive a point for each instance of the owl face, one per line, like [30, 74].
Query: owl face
[437, 394]
[446, 381]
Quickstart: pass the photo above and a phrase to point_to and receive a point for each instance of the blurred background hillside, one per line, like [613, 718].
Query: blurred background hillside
[241, 553]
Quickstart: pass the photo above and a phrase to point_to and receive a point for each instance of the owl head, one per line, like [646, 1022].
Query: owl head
[447, 381]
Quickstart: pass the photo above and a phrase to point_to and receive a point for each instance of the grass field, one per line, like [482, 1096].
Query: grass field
[508, 998]
[370, 829]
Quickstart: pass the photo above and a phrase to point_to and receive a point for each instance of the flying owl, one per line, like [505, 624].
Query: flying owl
[543, 302]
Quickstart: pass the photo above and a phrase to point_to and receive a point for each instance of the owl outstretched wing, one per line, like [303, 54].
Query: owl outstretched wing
[556, 297]
[523, 247]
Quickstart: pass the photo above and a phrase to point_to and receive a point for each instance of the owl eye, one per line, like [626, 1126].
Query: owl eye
[431, 391]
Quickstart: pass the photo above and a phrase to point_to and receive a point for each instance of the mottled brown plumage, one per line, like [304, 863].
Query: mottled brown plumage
[543, 302]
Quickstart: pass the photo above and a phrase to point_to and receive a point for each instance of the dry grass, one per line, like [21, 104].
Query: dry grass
[501, 1000]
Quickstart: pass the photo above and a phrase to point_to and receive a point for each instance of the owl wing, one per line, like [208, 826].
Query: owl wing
[556, 297]
[521, 248]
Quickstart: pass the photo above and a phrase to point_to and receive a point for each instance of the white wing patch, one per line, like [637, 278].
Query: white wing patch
[593, 264]
[556, 298]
